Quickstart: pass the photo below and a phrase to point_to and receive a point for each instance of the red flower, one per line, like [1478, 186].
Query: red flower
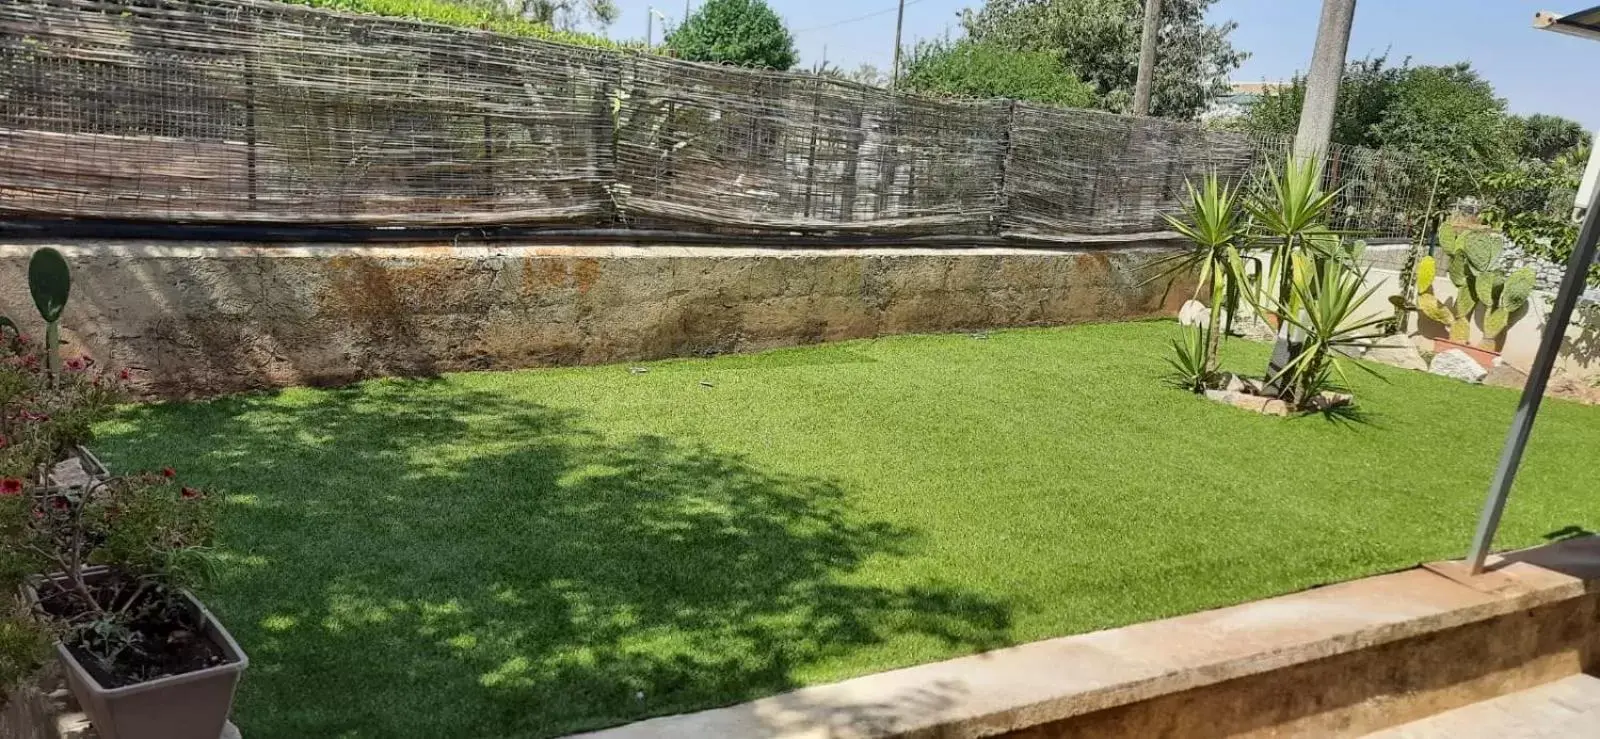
[190, 493]
[168, 472]
[59, 504]
[10, 486]
[75, 365]
[24, 339]
[125, 375]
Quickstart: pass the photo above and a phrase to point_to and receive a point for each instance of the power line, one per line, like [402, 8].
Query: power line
[873, 14]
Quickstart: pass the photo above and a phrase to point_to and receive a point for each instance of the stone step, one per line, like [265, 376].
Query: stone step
[1566, 708]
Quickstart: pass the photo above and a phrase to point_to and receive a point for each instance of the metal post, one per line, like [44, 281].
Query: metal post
[1572, 285]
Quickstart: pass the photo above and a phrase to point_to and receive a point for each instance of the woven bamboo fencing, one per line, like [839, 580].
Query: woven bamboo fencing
[245, 111]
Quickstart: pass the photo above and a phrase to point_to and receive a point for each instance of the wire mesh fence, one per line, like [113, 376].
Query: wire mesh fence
[246, 111]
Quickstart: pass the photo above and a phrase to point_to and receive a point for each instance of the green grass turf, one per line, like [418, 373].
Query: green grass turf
[524, 554]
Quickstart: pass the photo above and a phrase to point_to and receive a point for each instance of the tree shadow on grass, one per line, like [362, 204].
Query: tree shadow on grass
[413, 559]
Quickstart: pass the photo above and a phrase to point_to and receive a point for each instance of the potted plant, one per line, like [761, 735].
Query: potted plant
[1471, 269]
[103, 564]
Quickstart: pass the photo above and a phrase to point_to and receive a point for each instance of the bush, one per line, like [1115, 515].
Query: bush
[981, 70]
[464, 16]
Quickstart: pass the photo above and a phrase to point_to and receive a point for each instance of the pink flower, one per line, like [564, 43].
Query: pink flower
[59, 504]
[24, 339]
[10, 486]
[32, 416]
[76, 365]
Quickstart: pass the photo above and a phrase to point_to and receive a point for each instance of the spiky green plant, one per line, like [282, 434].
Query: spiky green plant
[1191, 370]
[1329, 294]
[1291, 212]
[1217, 235]
[50, 282]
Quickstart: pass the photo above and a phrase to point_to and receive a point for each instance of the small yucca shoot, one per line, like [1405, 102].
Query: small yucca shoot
[50, 282]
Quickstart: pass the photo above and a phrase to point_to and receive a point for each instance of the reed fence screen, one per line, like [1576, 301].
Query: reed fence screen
[248, 111]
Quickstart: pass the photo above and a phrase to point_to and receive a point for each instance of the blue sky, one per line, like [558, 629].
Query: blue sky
[1535, 71]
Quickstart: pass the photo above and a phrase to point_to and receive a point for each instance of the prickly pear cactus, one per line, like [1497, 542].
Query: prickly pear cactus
[1517, 289]
[1481, 249]
[1427, 269]
[50, 282]
[1486, 286]
[1466, 303]
[1510, 296]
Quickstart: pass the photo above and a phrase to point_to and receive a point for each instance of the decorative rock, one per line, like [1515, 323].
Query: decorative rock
[1196, 313]
[1193, 313]
[1504, 375]
[1253, 328]
[1248, 399]
[1398, 351]
[1456, 364]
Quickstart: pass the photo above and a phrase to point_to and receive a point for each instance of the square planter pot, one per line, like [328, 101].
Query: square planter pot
[194, 705]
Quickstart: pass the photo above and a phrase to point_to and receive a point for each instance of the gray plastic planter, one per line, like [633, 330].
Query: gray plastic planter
[194, 705]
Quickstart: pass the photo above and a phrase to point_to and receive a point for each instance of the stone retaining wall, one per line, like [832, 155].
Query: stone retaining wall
[203, 320]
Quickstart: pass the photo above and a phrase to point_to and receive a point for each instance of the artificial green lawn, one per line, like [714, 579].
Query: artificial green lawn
[524, 554]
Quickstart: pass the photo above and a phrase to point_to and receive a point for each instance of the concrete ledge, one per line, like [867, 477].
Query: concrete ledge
[204, 319]
[1338, 661]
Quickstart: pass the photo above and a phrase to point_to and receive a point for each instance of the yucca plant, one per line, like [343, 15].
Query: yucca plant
[1191, 369]
[1291, 214]
[1214, 225]
[1328, 294]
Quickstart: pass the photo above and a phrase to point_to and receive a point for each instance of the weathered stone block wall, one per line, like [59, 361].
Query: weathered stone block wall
[202, 320]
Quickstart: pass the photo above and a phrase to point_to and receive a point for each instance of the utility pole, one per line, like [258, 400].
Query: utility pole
[1322, 82]
[649, 24]
[899, 22]
[1147, 57]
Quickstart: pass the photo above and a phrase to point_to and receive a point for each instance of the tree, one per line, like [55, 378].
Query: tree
[1547, 137]
[866, 74]
[1450, 118]
[742, 32]
[1099, 39]
[982, 70]
[1365, 94]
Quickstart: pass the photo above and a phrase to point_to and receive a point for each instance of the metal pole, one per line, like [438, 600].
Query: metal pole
[649, 24]
[1555, 330]
[1147, 57]
[899, 22]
